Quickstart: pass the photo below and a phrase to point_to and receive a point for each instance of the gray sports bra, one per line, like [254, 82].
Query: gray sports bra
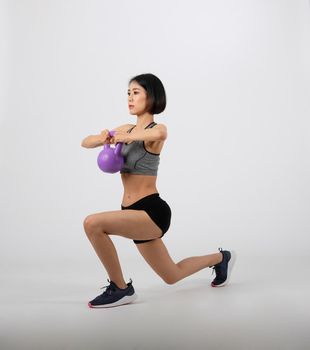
[138, 160]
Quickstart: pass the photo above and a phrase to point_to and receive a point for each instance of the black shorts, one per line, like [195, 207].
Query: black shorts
[157, 209]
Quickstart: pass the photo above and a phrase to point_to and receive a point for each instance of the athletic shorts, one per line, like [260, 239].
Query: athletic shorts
[157, 209]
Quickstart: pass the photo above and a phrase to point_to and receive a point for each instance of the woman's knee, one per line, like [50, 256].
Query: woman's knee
[90, 225]
[170, 279]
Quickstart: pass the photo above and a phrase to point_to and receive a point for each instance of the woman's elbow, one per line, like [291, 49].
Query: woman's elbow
[84, 143]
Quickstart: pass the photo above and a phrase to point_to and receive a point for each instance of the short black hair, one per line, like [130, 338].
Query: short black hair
[156, 95]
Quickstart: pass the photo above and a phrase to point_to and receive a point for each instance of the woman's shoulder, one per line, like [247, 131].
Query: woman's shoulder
[162, 129]
[160, 126]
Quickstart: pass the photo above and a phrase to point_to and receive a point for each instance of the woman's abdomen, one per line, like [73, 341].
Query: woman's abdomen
[137, 187]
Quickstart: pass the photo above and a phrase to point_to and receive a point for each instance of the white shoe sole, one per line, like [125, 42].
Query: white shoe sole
[125, 300]
[231, 264]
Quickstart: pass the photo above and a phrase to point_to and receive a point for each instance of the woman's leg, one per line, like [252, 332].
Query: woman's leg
[156, 255]
[131, 224]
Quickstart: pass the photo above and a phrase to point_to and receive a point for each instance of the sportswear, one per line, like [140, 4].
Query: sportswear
[137, 159]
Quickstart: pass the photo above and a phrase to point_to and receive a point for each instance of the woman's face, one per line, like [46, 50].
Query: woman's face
[137, 98]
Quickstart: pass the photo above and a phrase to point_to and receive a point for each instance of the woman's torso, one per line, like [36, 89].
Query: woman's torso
[139, 186]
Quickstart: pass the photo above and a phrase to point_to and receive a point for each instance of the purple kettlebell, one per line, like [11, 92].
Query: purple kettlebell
[110, 159]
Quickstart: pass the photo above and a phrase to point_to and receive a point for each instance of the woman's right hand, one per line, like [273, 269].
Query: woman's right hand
[105, 136]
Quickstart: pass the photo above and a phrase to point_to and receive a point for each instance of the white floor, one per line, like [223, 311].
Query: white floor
[266, 306]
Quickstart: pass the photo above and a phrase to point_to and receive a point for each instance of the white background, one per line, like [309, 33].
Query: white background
[236, 167]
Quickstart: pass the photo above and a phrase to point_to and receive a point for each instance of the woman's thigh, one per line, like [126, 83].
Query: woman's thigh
[133, 224]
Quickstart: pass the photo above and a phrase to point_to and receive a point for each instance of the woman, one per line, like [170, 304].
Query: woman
[144, 217]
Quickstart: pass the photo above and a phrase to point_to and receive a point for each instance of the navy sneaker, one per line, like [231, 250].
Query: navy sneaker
[223, 269]
[114, 296]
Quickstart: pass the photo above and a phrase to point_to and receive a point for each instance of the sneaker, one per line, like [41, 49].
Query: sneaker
[223, 269]
[114, 296]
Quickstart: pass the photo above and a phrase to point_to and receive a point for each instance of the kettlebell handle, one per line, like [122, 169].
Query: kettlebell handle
[118, 146]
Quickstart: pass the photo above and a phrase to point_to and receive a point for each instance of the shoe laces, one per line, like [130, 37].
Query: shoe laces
[109, 289]
[217, 267]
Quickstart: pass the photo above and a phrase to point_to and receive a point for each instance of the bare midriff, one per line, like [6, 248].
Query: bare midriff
[137, 187]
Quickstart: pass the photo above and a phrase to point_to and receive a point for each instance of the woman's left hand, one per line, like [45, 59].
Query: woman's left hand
[121, 136]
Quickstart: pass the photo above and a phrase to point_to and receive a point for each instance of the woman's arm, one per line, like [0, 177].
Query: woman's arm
[157, 133]
[93, 141]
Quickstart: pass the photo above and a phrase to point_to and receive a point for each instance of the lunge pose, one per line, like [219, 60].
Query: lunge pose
[144, 216]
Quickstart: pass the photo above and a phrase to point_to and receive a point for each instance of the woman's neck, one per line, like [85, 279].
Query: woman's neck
[144, 120]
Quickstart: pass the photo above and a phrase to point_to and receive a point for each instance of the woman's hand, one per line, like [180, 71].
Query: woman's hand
[121, 136]
[105, 136]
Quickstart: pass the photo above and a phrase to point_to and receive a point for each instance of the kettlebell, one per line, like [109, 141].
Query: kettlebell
[110, 159]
